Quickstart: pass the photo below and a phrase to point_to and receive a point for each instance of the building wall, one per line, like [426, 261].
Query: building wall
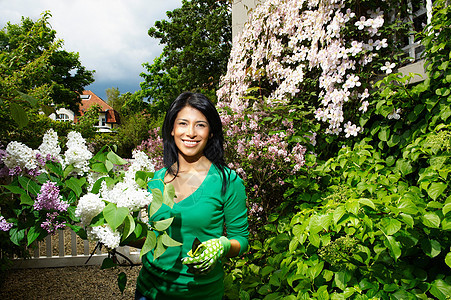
[240, 11]
[68, 112]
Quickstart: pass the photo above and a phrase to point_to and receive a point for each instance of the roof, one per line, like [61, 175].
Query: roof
[111, 115]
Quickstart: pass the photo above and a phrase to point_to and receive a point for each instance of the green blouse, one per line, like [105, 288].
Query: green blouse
[204, 214]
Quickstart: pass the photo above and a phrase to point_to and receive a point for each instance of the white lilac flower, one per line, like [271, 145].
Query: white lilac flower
[50, 148]
[21, 156]
[89, 206]
[127, 194]
[105, 235]
[140, 162]
[77, 153]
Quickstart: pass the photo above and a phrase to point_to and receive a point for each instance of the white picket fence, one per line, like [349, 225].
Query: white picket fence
[74, 258]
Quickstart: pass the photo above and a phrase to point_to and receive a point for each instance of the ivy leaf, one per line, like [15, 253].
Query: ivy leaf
[436, 189]
[115, 215]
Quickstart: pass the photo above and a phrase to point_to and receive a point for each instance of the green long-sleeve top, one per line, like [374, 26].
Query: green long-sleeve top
[204, 214]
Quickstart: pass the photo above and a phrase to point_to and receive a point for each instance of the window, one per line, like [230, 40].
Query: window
[62, 117]
[85, 97]
[102, 121]
[419, 14]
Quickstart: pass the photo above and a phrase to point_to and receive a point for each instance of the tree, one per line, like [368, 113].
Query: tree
[36, 74]
[197, 39]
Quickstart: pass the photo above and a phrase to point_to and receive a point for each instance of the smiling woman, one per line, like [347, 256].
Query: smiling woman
[209, 198]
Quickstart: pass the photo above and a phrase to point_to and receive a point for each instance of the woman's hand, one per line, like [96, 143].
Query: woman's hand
[207, 254]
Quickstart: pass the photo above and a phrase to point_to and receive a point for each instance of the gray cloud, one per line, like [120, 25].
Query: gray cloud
[110, 35]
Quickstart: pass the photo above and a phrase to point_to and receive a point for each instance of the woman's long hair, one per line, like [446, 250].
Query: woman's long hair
[214, 150]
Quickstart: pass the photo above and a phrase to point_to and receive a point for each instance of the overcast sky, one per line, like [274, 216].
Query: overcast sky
[110, 35]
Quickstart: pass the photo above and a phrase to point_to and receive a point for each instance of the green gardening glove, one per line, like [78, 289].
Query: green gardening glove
[204, 258]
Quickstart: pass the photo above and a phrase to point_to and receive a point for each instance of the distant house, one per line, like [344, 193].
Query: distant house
[108, 117]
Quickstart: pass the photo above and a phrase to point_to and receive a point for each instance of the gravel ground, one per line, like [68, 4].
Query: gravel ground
[87, 282]
[84, 282]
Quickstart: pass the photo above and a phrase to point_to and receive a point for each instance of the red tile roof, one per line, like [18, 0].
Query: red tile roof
[111, 115]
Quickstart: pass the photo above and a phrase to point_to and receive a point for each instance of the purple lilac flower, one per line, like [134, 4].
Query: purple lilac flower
[49, 198]
[17, 170]
[51, 225]
[5, 225]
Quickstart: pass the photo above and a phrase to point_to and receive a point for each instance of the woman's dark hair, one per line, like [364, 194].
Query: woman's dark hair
[214, 150]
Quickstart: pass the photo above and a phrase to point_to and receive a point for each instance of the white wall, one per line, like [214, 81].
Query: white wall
[240, 10]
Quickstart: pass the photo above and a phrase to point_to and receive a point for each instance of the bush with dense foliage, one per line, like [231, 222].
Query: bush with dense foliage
[369, 219]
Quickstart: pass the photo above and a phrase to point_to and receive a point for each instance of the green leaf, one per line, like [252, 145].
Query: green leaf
[129, 227]
[431, 248]
[440, 289]
[163, 224]
[142, 177]
[314, 239]
[25, 199]
[68, 170]
[160, 248]
[168, 241]
[168, 195]
[338, 214]
[404, 166]
[15, 189]
[341, 279]
[394, 247]
[107, 263]
[390, 226]
[29, 185]
[108, 165]
[157, 201]
[18, 114]
[149, 244]
[448, 259]
[115, 159]
[436, 189]
[446, 209]
[75, 185]
[114, 216]
[99, 167]
[367, 202]
[315, 270]
[122, 281]
[431, 220]
[16, 235]
[407, 206]
[55, 168]
[32, 235]
[32, 100]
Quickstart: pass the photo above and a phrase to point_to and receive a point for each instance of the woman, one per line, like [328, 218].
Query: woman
[209, 198]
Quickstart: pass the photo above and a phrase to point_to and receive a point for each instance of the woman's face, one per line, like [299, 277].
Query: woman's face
[191, 132]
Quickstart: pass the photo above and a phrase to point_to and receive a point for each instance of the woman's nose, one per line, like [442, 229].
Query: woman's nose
[191, 131]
